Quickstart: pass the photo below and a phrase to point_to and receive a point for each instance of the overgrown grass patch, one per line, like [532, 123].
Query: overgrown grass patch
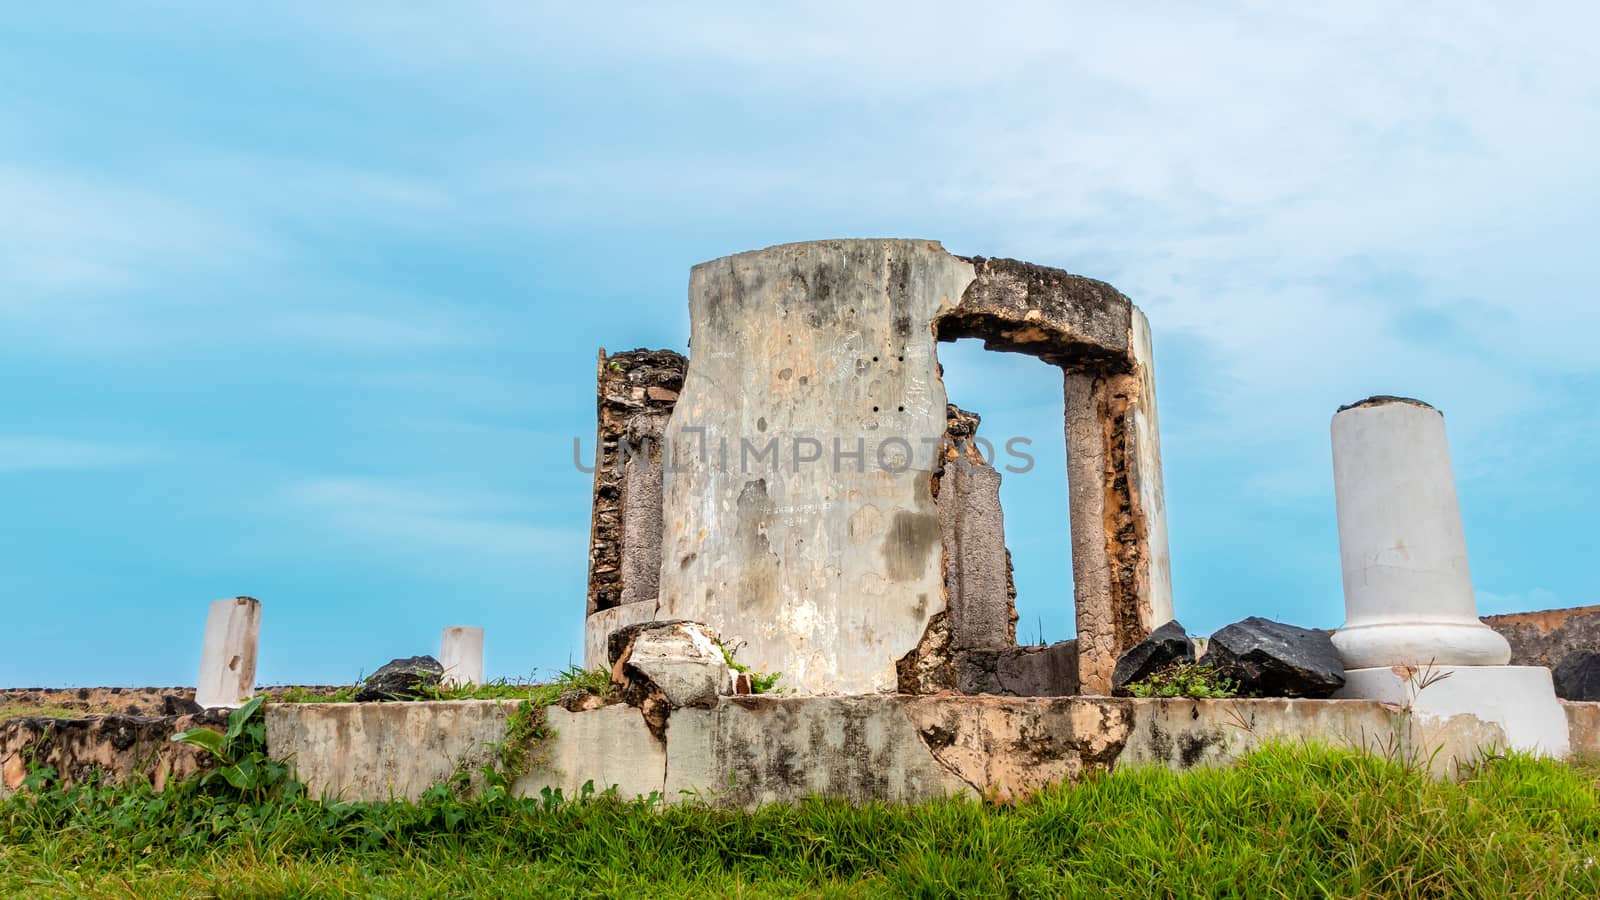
[1284, 822]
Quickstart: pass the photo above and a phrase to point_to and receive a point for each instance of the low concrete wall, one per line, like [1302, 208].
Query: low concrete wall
[113, 747]
[1584, 722]
[760, 749]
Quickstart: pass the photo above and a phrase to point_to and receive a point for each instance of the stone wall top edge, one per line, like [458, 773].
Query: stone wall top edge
[827, 242]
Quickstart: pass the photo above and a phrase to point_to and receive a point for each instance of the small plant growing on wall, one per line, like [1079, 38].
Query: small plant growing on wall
[1197, 681]
[241, 755]
[760, 682]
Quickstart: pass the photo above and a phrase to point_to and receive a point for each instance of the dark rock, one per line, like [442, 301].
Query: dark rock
[1271, 659]
[1166, 645]
[401, 679]
[1577, 677]
[1019, 671]
[178, 706]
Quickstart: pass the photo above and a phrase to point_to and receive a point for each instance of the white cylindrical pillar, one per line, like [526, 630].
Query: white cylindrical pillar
[228, 656]
[1407, 588]
[461, 655]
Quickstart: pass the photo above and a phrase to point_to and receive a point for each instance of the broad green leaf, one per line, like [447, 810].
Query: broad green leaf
[204, 738]
[239, 717]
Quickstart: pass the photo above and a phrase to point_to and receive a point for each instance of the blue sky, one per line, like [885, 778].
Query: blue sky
[306, 306]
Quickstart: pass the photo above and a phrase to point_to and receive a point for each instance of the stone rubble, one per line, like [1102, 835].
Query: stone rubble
[1577, 677]
[402, 679]
[1165, 646]
[1271, 659]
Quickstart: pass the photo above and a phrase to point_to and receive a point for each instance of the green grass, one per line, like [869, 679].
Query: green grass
[540, 693]
[1285, 822]
[42, 712]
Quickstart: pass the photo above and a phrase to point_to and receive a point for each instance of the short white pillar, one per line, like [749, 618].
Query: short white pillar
[1407, 589]
[461, 655]
[1411, 634]
[228, 657]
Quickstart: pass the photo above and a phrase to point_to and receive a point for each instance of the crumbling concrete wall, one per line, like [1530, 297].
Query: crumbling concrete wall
[113, 747]
[1546, 637]
[752, 750]
[824, 571]
[801, 523]
[635, 392]
[1101, 341]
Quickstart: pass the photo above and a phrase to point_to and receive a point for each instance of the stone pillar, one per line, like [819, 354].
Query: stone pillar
[1407, 589]
[1412, 635]
[228, 656]
[978, 585]
[634, 394]
[461, 655]
[1120, 562]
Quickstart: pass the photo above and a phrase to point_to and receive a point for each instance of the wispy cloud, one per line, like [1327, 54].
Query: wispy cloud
[399, 519]
[36, 453]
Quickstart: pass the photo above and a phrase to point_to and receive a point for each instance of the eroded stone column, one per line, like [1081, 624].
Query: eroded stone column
[228, 656]
[1120, 569]
[461, 655]
[1412, 635]
[978, 585]
[635, 392]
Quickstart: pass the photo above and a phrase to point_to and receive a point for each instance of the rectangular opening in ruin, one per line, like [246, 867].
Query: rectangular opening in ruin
[1020, 404]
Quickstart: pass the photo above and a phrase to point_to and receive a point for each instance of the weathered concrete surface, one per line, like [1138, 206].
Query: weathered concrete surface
[755, 750]
[1546, 637]
[1147, 501]
[978, 586]
[635, 392]
[661, 666]
[1583, 721]
[798, 506]
[1019, 671]
[1518, 702]
[382, 751]
[1006, 748]
[803, 355]
[610, 746]
[598, 626]
[1064, 319]
[228, 656]
[115, 747]
[747, 751]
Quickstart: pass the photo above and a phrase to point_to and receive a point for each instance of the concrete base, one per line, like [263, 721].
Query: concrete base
[1518, 701]
[598, 626]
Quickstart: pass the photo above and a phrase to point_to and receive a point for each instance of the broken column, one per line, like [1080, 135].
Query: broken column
[635, 393]
[461, 655]
[1411, 632]
[978, 585]
[228, 656]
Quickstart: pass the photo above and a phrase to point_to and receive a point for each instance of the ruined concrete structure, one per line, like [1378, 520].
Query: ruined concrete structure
[805, 490]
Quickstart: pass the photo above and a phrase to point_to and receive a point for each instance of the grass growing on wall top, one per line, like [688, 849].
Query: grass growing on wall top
[540, 693]
[1287, 821]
